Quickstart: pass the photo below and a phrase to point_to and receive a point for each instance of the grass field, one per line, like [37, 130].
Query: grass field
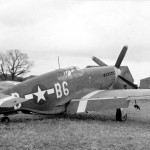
[95, 131]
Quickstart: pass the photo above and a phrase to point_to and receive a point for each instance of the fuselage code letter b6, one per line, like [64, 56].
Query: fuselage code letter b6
[61, 89]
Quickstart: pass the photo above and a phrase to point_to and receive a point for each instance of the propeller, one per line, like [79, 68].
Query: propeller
[128, 82]
[121, 56]
[117, 66]
[98, 61]
[118, 62]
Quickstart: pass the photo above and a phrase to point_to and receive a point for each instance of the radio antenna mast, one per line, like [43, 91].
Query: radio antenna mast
[58, 62]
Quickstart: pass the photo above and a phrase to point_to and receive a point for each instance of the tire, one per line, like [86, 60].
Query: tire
[5, 120]
[119, 116]
[124, 118]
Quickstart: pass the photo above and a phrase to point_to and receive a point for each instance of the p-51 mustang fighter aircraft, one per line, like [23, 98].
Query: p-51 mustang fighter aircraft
[71, 91]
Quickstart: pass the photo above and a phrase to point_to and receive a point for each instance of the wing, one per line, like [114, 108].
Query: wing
[106, 99]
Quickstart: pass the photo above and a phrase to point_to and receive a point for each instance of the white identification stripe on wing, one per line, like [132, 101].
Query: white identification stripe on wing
[6, 99]
[83, 103]
[91, 94]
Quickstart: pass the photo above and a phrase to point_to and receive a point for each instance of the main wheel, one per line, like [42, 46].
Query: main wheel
[119, 116]
[5, 120]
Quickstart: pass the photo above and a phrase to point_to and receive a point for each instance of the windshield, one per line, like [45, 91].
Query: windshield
[69, 73]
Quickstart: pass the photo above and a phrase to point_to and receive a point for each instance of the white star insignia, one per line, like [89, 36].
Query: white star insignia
[40, 94]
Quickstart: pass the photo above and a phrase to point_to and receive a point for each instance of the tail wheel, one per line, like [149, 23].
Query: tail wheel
[120, 116]
[5, 120]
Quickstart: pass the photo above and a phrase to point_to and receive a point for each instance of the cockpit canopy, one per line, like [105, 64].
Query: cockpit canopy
[69, 73]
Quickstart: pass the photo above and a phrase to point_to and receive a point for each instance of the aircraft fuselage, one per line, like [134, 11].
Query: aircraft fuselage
[50, 92]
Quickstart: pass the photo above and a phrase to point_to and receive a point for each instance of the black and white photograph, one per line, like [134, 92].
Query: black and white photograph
[74, 74]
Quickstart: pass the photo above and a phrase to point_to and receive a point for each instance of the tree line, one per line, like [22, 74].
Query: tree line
[14, 63]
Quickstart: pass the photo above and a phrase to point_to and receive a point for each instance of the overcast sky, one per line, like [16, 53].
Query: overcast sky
[75, 30]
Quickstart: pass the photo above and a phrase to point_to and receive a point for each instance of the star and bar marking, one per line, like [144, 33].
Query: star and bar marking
[40, 94]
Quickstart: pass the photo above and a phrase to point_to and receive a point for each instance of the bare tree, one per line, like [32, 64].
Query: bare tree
[14, 62]
[3, 71]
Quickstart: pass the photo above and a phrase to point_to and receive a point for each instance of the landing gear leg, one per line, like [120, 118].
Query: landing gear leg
[5, 120]
[121, 114]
